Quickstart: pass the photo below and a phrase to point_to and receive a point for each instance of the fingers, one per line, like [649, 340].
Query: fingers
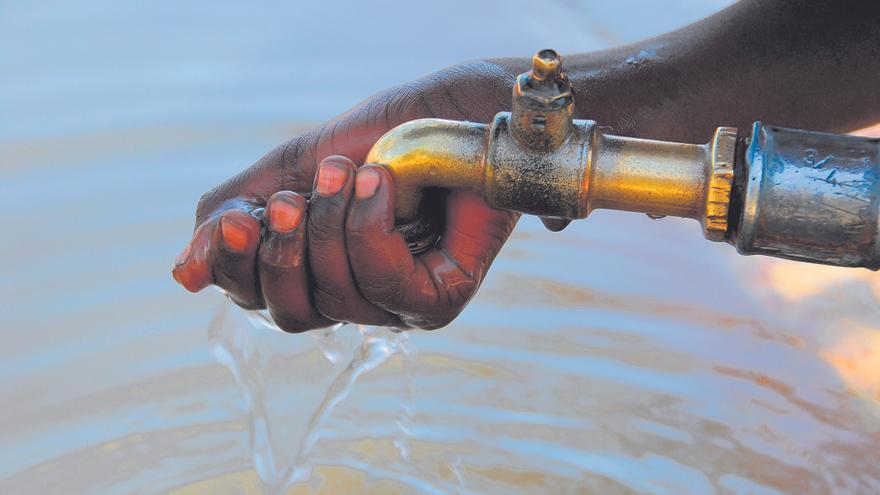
[192, 269]
[335, 292]
[430, 290]
[283, 271]
[233, 257]
[474, 235]
[475, 232]
[555, 224]
[223, 252]
[385, 271]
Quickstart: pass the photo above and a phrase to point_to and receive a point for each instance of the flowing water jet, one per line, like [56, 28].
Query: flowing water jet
[353, 354]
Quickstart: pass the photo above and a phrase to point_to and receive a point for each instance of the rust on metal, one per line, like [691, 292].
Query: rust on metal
[538, 159]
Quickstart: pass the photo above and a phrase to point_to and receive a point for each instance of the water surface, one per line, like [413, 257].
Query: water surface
[624, 355]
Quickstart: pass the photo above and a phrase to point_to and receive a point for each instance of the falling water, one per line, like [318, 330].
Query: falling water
[354, 353]
[620, 356]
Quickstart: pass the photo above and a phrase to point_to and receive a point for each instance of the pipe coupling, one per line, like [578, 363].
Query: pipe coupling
[811, 196]
[801, 195]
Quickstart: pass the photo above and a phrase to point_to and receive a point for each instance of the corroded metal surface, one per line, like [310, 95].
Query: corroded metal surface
[537, 159]
[811, 196]
[546, 183]
[543, 105]
[803, 195]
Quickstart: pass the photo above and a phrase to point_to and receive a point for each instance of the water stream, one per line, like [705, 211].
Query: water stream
[623, 355]
[352, 353]
[692, 399]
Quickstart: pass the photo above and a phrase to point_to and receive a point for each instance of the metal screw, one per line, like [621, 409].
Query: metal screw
[546, 64]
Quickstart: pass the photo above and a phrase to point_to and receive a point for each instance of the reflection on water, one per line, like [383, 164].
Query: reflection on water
[642, 395]
[855, 352]
[623, 355]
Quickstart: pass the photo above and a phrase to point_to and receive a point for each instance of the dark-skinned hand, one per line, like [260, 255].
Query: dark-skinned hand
[336, 256]
[340, 259]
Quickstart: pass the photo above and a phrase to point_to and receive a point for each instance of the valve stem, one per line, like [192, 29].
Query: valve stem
[543, 104]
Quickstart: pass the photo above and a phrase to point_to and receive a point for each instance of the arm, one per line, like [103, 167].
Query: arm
[809, 64]
[803, 64]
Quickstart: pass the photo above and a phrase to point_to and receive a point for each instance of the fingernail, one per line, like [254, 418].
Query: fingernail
[180, 276]
[191, 271]
[182, 257]
[331, 178]
[366, 183]
[184, 276]
[235, 236]
[284, 216]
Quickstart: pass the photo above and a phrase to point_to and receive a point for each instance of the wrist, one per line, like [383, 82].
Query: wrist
[474, 91]
[636, 91]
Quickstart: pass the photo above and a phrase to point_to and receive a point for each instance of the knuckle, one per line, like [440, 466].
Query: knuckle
[297, 163]
[384, 292]
[291, 326]
[206, 205]
[391, 107]
[436, 325]
[240, 291]
[249, 305]
[422, 322]
[280, 255]
[450, 90]
[289, 166]
[331, 305]
[443, 319]
[290, 323]
[326, 220]
[405, 104]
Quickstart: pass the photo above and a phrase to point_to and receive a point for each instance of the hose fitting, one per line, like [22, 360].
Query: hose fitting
[538, 159]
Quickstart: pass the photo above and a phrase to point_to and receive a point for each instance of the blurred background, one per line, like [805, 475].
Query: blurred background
[590, 361]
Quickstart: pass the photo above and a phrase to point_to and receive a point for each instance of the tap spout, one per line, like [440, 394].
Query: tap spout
[781, 192]
[430, 153]
[537, 159]
[423, 153]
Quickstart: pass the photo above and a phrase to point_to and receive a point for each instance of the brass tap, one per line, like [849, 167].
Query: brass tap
[538, 159]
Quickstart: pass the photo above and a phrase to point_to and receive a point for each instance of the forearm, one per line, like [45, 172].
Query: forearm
[809, 64]
[806, 64]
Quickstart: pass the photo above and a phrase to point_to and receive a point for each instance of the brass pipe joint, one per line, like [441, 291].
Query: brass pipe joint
[795, 194]
[537, 159]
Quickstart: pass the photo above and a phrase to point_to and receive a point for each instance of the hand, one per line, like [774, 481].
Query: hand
[662, 88]
[344, 251]
[299, 270]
